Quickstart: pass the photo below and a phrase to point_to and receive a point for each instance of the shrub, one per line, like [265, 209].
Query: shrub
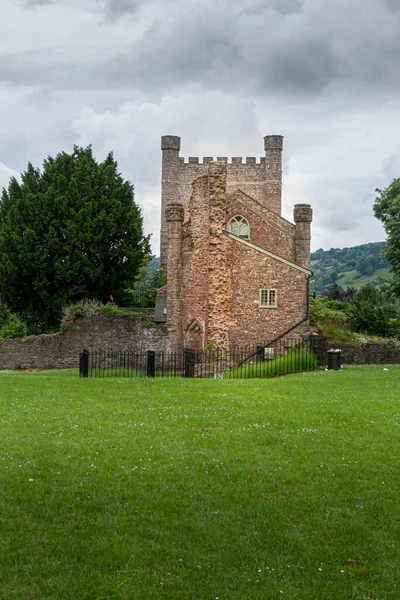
[90, 308]
[149, 279]
[298, 359]
[375, 311]
[83, 308]
[329, 311]
[15, 328]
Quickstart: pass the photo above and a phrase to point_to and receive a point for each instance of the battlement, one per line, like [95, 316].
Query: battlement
[234, 160]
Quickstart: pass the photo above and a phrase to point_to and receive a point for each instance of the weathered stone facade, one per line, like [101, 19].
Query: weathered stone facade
[226, 289]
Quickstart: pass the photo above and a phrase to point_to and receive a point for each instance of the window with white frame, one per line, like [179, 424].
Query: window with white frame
[239, 226]
[268, 298]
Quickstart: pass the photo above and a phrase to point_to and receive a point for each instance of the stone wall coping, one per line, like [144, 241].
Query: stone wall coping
[234, 160]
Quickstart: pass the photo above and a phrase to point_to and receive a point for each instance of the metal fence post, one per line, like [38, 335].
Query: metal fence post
[84, 363]
[151, 363]
[188, 363]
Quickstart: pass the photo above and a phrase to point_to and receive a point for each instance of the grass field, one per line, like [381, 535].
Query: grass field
[200, 489]
[348, 279]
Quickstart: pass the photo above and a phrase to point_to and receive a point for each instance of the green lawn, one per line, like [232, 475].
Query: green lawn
[200, 489]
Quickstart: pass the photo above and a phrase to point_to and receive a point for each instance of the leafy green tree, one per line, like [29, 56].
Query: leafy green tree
[70, 231]
[14, 328]
[148, 280]
[375, 311]
[5, 314]
[387, 210]
[10, 325]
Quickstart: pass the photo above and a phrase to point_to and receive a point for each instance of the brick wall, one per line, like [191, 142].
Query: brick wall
[368, 353]
[61, 350]
[252, 271]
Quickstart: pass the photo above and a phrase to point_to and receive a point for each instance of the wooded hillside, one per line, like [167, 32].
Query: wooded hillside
[348, 267]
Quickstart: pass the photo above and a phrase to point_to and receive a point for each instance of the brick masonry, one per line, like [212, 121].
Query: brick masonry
[61, 350]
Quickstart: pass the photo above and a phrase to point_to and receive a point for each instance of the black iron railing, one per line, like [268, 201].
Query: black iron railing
[280, 357]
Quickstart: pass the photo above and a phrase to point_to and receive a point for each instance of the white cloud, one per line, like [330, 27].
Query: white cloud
[5, 175]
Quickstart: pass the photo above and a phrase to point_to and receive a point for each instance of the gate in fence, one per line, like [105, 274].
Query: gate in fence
[278, 358]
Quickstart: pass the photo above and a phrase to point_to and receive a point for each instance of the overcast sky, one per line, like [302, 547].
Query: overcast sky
[118, 74]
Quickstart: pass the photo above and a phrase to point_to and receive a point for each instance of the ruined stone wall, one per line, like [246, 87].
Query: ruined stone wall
[219, 275]
[61, 350]
[252, 271]
[195, 267]
[368, 353]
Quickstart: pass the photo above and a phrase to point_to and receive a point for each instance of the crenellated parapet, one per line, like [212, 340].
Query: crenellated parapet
[234, 160]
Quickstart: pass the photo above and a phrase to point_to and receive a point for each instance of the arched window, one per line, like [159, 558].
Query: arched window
[239, 226]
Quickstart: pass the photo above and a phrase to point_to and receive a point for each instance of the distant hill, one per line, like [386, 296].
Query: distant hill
[154, 263]
[348, 267]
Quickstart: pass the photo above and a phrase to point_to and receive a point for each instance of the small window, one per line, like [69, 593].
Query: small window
[239, 226]
[268, 298]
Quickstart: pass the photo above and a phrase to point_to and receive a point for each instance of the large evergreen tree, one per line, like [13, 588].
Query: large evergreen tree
[70, 231]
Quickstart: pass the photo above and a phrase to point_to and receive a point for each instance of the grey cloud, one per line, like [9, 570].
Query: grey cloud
[391, 166]
[117, 8]
[304, 66]
[284, 7]
[255, 54]
[34, 3]
[113, 9]
[234, 51]
[288, 7]
[392, 5]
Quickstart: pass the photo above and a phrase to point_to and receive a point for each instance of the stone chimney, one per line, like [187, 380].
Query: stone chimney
[302, 216]
[273, 146]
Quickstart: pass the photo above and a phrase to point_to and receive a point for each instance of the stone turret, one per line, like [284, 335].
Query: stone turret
[174, 218]
[302, 216]
[273, 146]
[170, 146]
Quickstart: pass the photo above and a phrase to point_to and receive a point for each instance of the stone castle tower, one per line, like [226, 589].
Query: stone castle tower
[262, 179]
[237, 272]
